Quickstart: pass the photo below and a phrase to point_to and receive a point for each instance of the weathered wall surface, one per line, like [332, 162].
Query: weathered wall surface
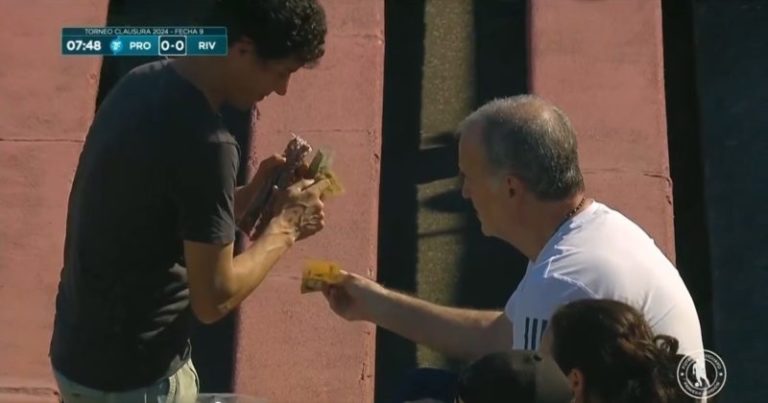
[46, 105]
[601, 62]
[291, 347]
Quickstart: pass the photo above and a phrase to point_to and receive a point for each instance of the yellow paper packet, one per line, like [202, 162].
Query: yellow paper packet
[320, 168]
[319, 272]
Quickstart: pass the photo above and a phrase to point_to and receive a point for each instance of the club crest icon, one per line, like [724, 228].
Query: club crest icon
[701, 374]
[116, 46]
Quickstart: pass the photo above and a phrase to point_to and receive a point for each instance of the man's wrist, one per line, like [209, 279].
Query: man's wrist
[381, 302]
[282, 227]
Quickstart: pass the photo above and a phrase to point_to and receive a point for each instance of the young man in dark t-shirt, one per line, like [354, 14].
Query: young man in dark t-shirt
[151, 219]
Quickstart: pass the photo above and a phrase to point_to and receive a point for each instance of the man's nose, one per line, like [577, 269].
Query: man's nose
[282, 89]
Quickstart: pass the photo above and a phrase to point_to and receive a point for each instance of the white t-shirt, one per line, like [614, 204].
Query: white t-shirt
[599, 253]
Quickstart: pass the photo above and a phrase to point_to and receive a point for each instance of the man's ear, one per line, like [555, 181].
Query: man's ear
[576, 379]
[242, 45]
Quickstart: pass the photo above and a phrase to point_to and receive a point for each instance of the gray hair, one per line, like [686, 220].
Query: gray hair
[529, 138]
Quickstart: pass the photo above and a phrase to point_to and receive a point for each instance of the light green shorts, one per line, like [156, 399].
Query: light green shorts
[181, 387]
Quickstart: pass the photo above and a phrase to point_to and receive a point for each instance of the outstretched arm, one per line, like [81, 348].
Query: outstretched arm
[461, 333]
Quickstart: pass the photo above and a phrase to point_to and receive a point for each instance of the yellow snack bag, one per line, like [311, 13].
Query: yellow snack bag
[335, 188]
[320, 168]
[319, 272]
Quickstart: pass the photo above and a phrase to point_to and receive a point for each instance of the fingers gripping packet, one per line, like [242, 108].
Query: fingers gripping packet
[296, 152]
[254, 219]
[319, 272]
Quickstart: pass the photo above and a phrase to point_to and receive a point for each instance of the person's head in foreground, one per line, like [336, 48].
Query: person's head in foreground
[610, 355]
[268, 41]
[513, 376]
[520, 168]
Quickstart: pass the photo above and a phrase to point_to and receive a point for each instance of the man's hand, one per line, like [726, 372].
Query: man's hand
[352, 298]
[264, 173]
[267, 168]
[298, 210]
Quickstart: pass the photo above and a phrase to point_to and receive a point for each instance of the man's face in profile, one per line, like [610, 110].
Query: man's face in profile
[477, 182]
[250, 78]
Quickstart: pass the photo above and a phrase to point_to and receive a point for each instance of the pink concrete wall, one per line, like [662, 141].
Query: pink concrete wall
[46, 105]
[291, 347]
[601, 62]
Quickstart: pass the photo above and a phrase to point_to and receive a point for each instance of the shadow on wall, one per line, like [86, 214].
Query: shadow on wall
[685, 159]
[489, 269]
[401, 123]
[214, 362]
[730, 50]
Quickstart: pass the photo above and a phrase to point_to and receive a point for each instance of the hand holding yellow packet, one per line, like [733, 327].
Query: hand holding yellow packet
[319, 272]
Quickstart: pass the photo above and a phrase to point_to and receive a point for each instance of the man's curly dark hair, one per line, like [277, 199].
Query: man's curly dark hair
[279, 28]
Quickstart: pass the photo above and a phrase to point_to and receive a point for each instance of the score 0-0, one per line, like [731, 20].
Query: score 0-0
[172, 45]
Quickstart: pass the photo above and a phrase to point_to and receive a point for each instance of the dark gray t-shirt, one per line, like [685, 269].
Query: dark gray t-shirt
[157, 167]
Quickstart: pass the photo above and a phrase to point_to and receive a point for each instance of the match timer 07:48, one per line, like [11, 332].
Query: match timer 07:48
[84, 46]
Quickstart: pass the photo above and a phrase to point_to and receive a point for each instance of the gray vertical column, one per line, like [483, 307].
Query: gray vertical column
[443, 59]
[732, 64]
[473, 52]
[447, 97]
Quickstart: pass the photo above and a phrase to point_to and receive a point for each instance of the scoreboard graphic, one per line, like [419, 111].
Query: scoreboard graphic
[144, 41]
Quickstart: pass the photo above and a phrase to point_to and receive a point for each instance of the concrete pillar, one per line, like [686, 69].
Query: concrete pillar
[601, 62]
[46, 106]
[291, 347]
[444, 58]
[447, 94]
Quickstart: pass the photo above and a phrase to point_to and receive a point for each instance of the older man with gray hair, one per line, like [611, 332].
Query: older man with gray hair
[520, 169]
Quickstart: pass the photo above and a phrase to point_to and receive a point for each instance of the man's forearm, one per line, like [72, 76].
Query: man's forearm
[460, 333]
[251, 266]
